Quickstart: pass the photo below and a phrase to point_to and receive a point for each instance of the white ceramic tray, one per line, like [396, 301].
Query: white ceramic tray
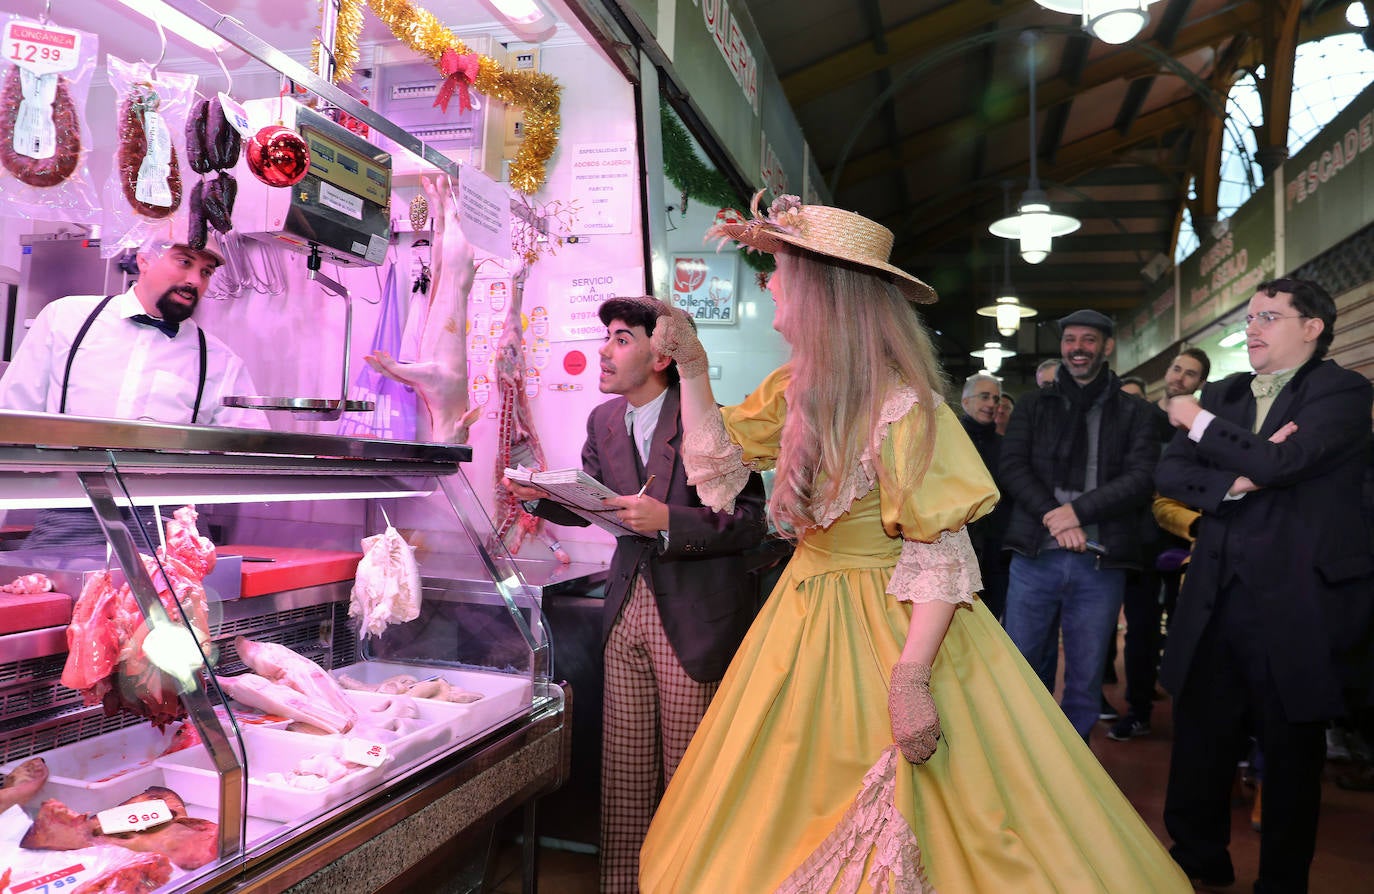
[503, 695]
[190, 774]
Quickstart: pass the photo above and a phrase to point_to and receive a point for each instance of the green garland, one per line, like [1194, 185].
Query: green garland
[698, 180]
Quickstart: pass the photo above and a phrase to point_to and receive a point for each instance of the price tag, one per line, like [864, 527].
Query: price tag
[360, 751]
[134, 817]
[236, 115]
[42, 49]
[62, 878]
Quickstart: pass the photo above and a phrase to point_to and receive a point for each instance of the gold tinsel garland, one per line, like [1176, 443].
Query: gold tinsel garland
[536, 93]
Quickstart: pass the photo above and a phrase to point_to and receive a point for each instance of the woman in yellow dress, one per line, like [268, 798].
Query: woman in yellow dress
[817, 767]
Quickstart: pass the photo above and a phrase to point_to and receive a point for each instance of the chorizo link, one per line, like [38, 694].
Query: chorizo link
[39, 171]
[133, 146]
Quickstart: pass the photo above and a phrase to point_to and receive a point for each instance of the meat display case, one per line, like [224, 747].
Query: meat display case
[446, 770]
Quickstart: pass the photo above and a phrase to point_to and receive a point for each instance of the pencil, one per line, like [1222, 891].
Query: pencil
[645, 487]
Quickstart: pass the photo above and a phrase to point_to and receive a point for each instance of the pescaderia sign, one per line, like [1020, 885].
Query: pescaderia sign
[1328, 187]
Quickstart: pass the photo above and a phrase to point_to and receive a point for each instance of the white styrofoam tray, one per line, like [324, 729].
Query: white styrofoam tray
[503, 695]
[105, 770]
[190, 774]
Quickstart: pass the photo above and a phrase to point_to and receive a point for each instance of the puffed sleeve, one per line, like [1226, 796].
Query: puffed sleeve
[744, 438]
[937, 560]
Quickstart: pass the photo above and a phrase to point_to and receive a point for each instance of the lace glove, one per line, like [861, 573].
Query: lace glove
[915, 723]
[675, 336]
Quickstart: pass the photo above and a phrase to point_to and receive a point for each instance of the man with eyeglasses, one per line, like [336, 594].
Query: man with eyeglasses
[981, 398]
[1278, 588]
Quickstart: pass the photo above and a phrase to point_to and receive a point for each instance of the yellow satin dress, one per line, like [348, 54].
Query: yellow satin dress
[1012, 800]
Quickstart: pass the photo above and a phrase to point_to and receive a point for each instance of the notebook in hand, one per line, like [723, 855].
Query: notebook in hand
[579, 492]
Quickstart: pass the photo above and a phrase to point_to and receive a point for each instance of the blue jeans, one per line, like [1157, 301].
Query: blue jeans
[1064, 589]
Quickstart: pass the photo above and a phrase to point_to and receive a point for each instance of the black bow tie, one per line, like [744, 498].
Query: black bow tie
[167, 329]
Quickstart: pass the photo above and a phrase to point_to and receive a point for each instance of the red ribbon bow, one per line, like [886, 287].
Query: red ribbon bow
[459, 72]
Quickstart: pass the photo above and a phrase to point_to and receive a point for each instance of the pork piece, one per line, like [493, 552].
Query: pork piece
[188, 842]
[444, 691]
[22, 783]
[98, 626]
[326, 766]
[29, 585]
[281, 665]
[440, 376]
[276, 698]
[386, 587]
[143, 872]
[106, 661]
[186, 736]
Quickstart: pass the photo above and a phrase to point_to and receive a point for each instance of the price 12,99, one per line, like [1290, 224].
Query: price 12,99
[42, 49]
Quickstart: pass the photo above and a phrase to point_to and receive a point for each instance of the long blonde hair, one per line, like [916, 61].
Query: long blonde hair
[850, 330]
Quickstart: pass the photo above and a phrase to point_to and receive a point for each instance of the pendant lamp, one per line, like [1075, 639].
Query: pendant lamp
[1110, 21]
[1007, 310]
[1034, 224]
[992, 354]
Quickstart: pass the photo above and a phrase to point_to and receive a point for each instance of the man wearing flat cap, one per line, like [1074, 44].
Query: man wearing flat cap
[1078, 463]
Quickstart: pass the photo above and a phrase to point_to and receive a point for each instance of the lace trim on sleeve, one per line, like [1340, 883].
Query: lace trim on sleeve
[715, 464]
[899, 401]
[943, 571]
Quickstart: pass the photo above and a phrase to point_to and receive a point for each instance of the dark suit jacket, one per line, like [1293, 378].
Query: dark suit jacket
[1297, 550]
[704, 595]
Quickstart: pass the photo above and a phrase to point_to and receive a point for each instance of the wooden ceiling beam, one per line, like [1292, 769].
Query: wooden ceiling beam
[1123, 64]
[922, 34]
[952, 216]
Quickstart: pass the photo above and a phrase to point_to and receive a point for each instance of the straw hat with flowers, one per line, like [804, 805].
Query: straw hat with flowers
[823, 230]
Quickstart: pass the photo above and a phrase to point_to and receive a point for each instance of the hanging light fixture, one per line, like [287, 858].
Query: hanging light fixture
[1110, 21]
[1006, 309]
[992, 354]
[1034, 224]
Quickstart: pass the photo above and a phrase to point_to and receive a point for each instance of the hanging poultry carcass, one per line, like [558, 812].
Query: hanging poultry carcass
[440, 376]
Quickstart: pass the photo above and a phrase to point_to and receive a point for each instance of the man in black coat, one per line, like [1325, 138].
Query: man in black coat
[1078, 463]
[981, 397]
[1278, 589]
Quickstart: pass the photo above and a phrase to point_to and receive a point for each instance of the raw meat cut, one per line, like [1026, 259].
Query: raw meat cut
[28, 585]
[144, 872]
[386, 588]
[277, 698]
[281, 665]
[22, 783]
[106, 660]
[188, 842]
[404, 684]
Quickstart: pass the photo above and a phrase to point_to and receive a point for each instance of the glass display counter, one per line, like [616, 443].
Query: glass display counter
[219, 707]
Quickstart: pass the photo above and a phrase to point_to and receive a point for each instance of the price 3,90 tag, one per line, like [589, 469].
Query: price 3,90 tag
[134, 817]
[42, 49]
[360, 751]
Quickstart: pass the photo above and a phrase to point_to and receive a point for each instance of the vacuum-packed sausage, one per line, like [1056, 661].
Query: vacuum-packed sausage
[39, 171]
[133, 148]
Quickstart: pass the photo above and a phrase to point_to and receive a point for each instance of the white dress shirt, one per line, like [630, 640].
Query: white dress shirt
[123, 369]
[640, 423]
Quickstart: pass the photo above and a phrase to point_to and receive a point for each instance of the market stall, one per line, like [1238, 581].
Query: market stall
[312, 654]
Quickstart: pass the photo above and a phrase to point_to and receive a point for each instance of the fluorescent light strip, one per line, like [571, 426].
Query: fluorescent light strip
[178, 23]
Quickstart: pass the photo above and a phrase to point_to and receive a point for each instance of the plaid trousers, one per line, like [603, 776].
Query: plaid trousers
[651, 708]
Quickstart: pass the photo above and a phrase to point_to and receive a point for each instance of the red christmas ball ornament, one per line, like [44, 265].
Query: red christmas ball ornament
[278, 156]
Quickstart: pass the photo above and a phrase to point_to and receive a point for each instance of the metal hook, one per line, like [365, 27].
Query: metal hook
[47, 12]
[162, 54]
[228, 78]
[386, 518]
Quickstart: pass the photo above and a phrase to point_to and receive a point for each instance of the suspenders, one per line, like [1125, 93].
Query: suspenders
[81, 336]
